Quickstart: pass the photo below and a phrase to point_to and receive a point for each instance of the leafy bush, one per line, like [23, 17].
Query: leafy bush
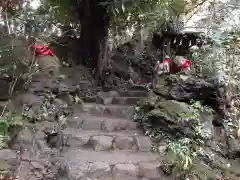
[48, 110]
[181, 153]
[16, 66]
[8, 121]
[184, 151]
[196, 109]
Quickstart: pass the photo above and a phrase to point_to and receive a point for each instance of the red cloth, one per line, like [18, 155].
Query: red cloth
[42, 51]
[175, 69]
[165, 61]
[186, 65]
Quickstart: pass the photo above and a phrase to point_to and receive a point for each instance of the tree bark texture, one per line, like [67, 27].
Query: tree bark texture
[94, 22]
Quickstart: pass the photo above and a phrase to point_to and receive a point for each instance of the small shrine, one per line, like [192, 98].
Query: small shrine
[177, 43]
[172, 40]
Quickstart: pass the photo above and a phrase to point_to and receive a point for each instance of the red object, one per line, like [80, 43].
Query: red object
[164, 61]
[186, 65]
[175, 69]
[42, 51]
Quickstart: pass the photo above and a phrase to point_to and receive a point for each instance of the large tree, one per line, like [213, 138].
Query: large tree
[97, 16]
[95, 21]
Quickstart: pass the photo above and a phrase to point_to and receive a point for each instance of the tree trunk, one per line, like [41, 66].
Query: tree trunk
[6, 22]
[94, 34]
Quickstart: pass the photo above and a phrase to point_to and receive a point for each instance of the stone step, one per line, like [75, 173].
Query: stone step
[118, 100]
[102, 141]
[105, 124]
[119, 165]
[132, 93]
[118, 111]
[89, 99]
[137, 88]
[127, 93]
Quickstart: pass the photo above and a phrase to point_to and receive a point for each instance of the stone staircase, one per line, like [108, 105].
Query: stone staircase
[103, 143]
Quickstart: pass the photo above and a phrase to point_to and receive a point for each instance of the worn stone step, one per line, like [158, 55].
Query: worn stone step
[137, 88]
[127, 93]
[105, 124]
[118, 100]
[89, 99]
[119, 165]
[132, 93]
[118, 111]
[102, 141]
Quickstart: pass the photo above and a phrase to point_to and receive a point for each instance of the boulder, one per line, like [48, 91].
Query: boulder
[120, 65]
[185, 87]
[168, 117]
[37, 162]
[233, 147]
[161, 87]
[8, 161]
[135, 58]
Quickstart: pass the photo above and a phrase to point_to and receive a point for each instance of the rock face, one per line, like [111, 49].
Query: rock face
[36, 147]
[135, 58]
[125, 64]
[34, 157]
[168, 105]
[168, 116]
[186, 87]
[8, 161]
[168, 113]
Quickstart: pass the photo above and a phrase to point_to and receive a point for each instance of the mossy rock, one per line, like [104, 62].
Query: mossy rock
[152, 94]
[148, 103]
[174, 108]
[167, 117]
[161, 87]
[162, 90]
[204, 172]
[222, 163]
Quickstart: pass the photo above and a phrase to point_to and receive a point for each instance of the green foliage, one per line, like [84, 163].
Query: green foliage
[15, 68]
[61, 10]
[47, 111]
[181, 154]
[125, 15]
[196, 109]
[8, 121]
[143, 108]
[140, 114]
[184, 151]
[138, 14]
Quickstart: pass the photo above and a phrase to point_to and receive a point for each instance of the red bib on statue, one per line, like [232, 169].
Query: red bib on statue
[42, 51]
